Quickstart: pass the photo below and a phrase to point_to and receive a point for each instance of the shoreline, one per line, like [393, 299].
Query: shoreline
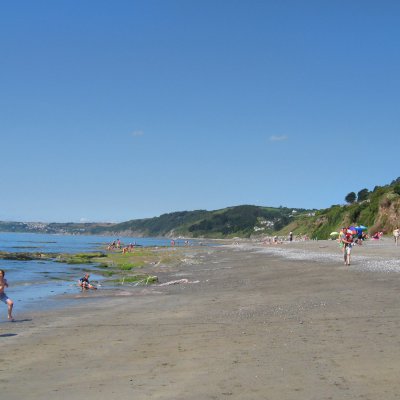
[256, 325]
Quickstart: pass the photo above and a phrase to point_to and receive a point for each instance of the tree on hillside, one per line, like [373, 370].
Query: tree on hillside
[362, 195]
[351, 198]
[395, 181]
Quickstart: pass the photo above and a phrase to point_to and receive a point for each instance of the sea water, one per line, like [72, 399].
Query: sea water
[33, 283]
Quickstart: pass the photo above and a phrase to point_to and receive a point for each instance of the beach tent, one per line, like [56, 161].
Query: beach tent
[360, 229]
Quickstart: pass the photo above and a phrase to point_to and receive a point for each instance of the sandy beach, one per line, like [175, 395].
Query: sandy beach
[251, 322]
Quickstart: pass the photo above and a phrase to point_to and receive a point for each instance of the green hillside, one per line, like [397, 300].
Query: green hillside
[242, 221]
[164, 225]
[378, 209]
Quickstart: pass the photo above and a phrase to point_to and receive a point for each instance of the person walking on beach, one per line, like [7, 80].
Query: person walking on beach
[347, 240]
[84, 282]
[3, 297]
[396, 234]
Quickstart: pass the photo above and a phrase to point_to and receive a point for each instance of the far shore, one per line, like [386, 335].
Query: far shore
[243, 320]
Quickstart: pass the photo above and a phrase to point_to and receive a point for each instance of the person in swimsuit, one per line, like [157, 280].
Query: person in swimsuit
[3, 297]
[84, 282]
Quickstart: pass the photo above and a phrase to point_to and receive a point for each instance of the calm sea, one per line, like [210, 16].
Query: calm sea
[33, 284]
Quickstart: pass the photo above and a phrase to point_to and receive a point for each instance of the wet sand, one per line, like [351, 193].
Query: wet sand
[263, 322]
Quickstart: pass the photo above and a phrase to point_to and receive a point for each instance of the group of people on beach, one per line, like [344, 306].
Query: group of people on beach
[349, 236]
[396, 234]
[115, 244]
[129, 248]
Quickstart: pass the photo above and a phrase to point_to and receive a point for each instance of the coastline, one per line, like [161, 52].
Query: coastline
[287, 321]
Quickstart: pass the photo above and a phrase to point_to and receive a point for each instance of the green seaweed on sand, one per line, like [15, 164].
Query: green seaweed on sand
[128, 267]
[26, 256]
[139, 258]
[121, 266]
[79, 258]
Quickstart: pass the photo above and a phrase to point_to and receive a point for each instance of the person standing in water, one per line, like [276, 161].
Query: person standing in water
[3, 297]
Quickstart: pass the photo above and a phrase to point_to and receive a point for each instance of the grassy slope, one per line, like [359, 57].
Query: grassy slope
[381, 211]
[227, 222]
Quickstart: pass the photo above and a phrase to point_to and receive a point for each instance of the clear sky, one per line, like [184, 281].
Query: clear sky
[118, 110]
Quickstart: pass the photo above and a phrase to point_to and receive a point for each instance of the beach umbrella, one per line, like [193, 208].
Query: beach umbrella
[352, 230]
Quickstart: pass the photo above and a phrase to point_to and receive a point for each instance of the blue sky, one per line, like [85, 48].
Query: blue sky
[118, 110]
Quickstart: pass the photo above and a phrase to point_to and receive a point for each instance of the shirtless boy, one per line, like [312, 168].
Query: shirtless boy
[3, 297]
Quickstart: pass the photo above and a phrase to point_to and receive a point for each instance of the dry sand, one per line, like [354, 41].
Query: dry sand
[284, 322]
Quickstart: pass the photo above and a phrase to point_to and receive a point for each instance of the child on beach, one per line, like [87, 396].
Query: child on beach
[3, 297]
[85, 284]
